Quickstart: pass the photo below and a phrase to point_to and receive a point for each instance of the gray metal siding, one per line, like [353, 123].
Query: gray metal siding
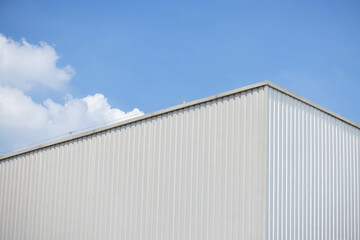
[194, 173]
[313, 173]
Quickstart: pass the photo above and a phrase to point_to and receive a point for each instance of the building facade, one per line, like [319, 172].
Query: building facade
[257, 162]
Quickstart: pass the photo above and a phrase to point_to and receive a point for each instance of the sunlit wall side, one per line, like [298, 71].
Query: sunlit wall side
[313, 173]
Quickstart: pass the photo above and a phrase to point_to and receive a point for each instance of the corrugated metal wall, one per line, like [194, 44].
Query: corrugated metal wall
[195, 173]
[313, 173]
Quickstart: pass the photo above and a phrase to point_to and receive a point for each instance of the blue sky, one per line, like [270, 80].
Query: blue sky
[151, 55]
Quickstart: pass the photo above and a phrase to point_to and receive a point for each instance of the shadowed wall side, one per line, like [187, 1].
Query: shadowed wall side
[194, 173]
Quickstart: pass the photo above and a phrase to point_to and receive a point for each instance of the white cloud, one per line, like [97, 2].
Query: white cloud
[24, 122]
[24, 66]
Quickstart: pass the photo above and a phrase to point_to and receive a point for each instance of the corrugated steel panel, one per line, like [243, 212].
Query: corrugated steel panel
[192, 173]
[313, 172]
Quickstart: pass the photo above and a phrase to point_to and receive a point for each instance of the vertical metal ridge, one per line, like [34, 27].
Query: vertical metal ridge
[313, 165]
[193, 173]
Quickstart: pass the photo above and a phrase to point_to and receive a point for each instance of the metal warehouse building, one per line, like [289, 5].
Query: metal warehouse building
[257, 162]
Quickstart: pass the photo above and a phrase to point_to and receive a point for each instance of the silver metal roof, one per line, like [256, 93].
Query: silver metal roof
[185, 105]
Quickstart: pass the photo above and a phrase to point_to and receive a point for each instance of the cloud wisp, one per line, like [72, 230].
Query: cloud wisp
[23, 121]
[25, 66]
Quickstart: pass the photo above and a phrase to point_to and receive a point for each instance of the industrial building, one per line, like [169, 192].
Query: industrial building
[258, 162]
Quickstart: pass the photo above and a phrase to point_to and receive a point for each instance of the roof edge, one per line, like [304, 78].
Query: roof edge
[311, 103]
[136, 119]
[182, 106]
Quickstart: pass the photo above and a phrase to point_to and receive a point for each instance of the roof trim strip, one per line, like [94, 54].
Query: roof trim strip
[315, 105]
[182, 106]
